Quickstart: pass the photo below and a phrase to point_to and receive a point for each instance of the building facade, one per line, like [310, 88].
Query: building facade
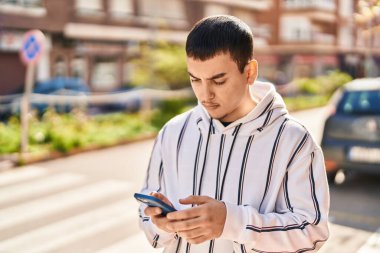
[95, 40]
[298, 38]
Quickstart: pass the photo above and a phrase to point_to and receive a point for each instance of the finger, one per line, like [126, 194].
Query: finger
[183, 225]
[186, 214]
[161, 197]
[191, 234]
[152, 211]
[196, 200]
[190, 213]
[162, 223]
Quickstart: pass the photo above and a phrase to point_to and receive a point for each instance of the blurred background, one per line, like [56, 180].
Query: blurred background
[113, 72]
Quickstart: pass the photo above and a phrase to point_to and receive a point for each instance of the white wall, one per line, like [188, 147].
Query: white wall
[43, 67]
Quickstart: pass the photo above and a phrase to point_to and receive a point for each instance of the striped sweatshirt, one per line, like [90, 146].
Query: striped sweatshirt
[265, 167]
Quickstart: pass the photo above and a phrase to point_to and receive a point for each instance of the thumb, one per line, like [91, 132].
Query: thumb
[197, 200]
[161, 197]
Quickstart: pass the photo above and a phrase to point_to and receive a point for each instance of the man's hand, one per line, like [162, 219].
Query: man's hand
[201, 223]
[155, 213]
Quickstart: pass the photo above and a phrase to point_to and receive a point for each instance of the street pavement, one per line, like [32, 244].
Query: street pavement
[84, 203]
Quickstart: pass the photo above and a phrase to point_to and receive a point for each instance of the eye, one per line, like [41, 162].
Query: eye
[194, 80]
[219, 83]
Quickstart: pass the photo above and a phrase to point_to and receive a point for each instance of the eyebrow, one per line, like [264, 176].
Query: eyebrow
[211, 78]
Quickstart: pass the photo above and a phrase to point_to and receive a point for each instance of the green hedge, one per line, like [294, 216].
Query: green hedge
[168, 109]
[305, 102]
[322, 85]
[10, 136]
[65, 132]
[316, 92]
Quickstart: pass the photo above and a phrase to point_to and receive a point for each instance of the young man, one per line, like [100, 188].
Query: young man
[243, 174]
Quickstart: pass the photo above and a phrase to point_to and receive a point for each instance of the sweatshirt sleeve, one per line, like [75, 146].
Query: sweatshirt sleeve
[299, 222]
[154, 181]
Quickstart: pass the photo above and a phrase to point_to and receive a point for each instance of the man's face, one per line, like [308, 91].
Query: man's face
[220, 86]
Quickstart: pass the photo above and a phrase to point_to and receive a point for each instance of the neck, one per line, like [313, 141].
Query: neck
[246, 106]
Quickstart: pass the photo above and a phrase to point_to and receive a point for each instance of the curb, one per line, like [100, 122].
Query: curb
[14, 160]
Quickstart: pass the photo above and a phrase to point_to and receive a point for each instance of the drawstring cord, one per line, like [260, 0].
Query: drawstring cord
[228, 160]
[205, 157]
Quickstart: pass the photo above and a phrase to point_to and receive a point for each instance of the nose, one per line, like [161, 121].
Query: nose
[208, 92]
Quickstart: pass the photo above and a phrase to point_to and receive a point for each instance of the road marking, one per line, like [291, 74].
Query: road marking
[56, 232]
[38, 187]
[60, 202]
[51, 245]
[372, 245]
[21, 174]
[135, 243]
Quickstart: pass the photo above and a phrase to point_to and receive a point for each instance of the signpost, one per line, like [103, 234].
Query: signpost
[32, 47]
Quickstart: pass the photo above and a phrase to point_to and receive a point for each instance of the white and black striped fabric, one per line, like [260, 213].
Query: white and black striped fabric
[265, 167]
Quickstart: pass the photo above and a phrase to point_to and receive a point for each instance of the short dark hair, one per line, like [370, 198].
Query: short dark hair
[221, 34]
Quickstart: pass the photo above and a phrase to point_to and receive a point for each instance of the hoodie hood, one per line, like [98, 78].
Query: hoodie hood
[270, 107]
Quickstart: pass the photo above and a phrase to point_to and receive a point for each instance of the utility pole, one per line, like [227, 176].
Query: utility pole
[32, 48]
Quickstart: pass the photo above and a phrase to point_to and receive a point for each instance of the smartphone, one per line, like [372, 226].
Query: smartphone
[154, 202]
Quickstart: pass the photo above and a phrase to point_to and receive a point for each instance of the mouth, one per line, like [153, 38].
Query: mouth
[210, 105]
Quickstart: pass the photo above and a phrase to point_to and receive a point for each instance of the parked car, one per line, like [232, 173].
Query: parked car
[132, 104]
[351, 136]
[67, 86]
[56, 86]
[6, 104]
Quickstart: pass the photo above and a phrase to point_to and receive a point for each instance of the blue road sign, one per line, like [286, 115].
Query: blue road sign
[32, 45]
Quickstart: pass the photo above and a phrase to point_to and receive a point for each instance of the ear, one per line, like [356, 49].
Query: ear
[251, 70]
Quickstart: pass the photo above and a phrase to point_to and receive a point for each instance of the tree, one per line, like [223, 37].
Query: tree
[367, 18]
[161, 65]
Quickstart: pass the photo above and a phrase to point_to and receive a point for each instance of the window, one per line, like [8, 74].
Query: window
[376, 40]
[33, 3]
[104, 74]
[59, 67]
[345, 37]
[360, 102]
[322, 4]
[24, 3]
[78, 68]
[85, 7]
[11, 40]
[172, 9]
[246, 16]
[33, 8]
[121, 8]
[261, 31]
[295, 28]
[128, 69]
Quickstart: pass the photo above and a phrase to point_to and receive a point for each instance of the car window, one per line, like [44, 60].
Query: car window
[360, 102]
